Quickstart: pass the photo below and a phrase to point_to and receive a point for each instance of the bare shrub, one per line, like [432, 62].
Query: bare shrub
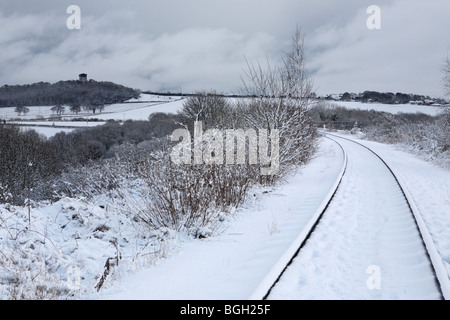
[280, 100]
[184, 197]
[27, 164]
[211, 108]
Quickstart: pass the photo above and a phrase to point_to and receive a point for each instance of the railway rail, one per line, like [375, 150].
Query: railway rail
[272, 279]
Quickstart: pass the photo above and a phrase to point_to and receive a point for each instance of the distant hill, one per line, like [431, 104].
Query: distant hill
[70, 92]
[385, 98]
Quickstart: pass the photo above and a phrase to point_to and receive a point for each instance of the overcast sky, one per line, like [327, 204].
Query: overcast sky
[193, 45]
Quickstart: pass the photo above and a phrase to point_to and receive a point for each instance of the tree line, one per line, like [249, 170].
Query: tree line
[31, 164]
[90, 95]
[387, 98]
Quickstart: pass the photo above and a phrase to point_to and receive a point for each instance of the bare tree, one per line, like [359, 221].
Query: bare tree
[75, 107]
[281, 98]
[59, 109]
[20, 109]
[209, 107]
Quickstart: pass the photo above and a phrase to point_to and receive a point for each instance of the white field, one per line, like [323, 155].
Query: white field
[391, 108]
[135, 109]
[146, 104]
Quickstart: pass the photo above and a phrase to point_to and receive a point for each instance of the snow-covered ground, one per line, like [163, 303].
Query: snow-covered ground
[231, 264]
[146, 104]
[429, 185]
[367, 245]
[66, 245]
[75, 237]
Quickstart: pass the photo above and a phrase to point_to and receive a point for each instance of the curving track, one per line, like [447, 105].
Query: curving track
[366, 225]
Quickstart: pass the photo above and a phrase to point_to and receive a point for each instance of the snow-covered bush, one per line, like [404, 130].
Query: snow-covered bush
[186, 197]
[27, 165]
[212, 109]
[160, 193]
[65, 251]
[280, 101]
[422, 134]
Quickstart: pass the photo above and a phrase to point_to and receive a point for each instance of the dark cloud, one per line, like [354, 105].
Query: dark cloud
[201, 44]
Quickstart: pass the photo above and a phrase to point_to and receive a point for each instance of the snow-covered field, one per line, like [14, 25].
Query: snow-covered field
[146, 104]
[134, 109]
[45, 112]
[391, 108]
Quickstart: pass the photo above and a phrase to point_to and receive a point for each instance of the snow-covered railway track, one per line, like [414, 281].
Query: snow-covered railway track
[272, 278]
[366, 241]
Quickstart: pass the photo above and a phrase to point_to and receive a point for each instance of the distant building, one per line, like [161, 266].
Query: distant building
[83, 77]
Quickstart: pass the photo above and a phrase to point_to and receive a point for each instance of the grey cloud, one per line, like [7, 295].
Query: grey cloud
[403, 56]
[201, 44]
